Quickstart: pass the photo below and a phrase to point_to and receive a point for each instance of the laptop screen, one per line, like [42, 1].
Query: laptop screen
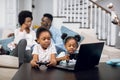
[89, 54]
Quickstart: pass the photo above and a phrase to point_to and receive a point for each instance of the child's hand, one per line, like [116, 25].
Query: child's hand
[34, 64]
[66, 57]
[53, 62]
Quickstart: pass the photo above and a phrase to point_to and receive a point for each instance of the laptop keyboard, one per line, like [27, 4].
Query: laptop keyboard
[71, 63]
[70, 66]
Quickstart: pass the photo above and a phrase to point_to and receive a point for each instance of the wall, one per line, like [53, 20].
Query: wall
[41, 7]
[2, 13]
[28, 5]
[24, 5]
[20, 5]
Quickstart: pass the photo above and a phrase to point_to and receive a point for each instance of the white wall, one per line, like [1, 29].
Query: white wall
[2, 13]
[20, 5]
[41, 7]
[24, 5]
[28, 5]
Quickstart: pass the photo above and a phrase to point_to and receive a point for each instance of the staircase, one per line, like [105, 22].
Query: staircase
[89, 15]
[100, 20]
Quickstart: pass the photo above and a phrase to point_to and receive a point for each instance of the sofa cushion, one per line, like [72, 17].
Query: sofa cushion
[8, 61]
[4, 43]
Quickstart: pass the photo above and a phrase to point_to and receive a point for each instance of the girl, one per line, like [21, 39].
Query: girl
[44, 51]
[71, 45]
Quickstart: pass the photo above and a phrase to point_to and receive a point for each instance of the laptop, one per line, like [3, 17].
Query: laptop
[88, 57]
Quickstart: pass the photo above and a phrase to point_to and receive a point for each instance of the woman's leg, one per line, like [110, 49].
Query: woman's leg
[20, 51]
[14, 52]
[28, 56]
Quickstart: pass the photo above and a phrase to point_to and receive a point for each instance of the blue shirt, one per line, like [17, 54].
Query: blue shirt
[56, 37]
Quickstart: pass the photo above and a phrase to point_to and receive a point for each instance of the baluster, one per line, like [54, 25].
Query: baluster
[55, 7]
[103, 25]
[91, 15]
[62, 7]
[79, 12]
[72, 12]
[66, 11]
[59, 8]
[109, 30]
[113, 34]
[106, 24]
[107, 27]
[70, 6]
[95, 19]
[87, 2]
[82, 13]
[99, 23]
[74, 6]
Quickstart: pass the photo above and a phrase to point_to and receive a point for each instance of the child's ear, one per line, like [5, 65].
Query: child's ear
[77, 37]
[64, 35]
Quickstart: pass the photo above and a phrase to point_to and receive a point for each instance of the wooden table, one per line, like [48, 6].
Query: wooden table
[102, 72]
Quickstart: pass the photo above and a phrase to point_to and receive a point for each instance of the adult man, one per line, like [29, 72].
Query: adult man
[56, 33]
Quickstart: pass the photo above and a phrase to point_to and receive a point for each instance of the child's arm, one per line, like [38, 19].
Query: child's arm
[34, 60]
[66, 57]
[53, 61]
[35, 56]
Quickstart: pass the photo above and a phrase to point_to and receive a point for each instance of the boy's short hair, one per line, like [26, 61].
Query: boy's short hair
[40, 30]
[23, 15]
[48, 16]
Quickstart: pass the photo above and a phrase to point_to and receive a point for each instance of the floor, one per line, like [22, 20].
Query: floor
[108, 52]
[7, 73]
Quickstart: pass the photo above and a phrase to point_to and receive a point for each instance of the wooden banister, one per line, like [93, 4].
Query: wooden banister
[100, 6]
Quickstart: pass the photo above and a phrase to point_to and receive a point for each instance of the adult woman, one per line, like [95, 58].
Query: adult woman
[24, 38]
